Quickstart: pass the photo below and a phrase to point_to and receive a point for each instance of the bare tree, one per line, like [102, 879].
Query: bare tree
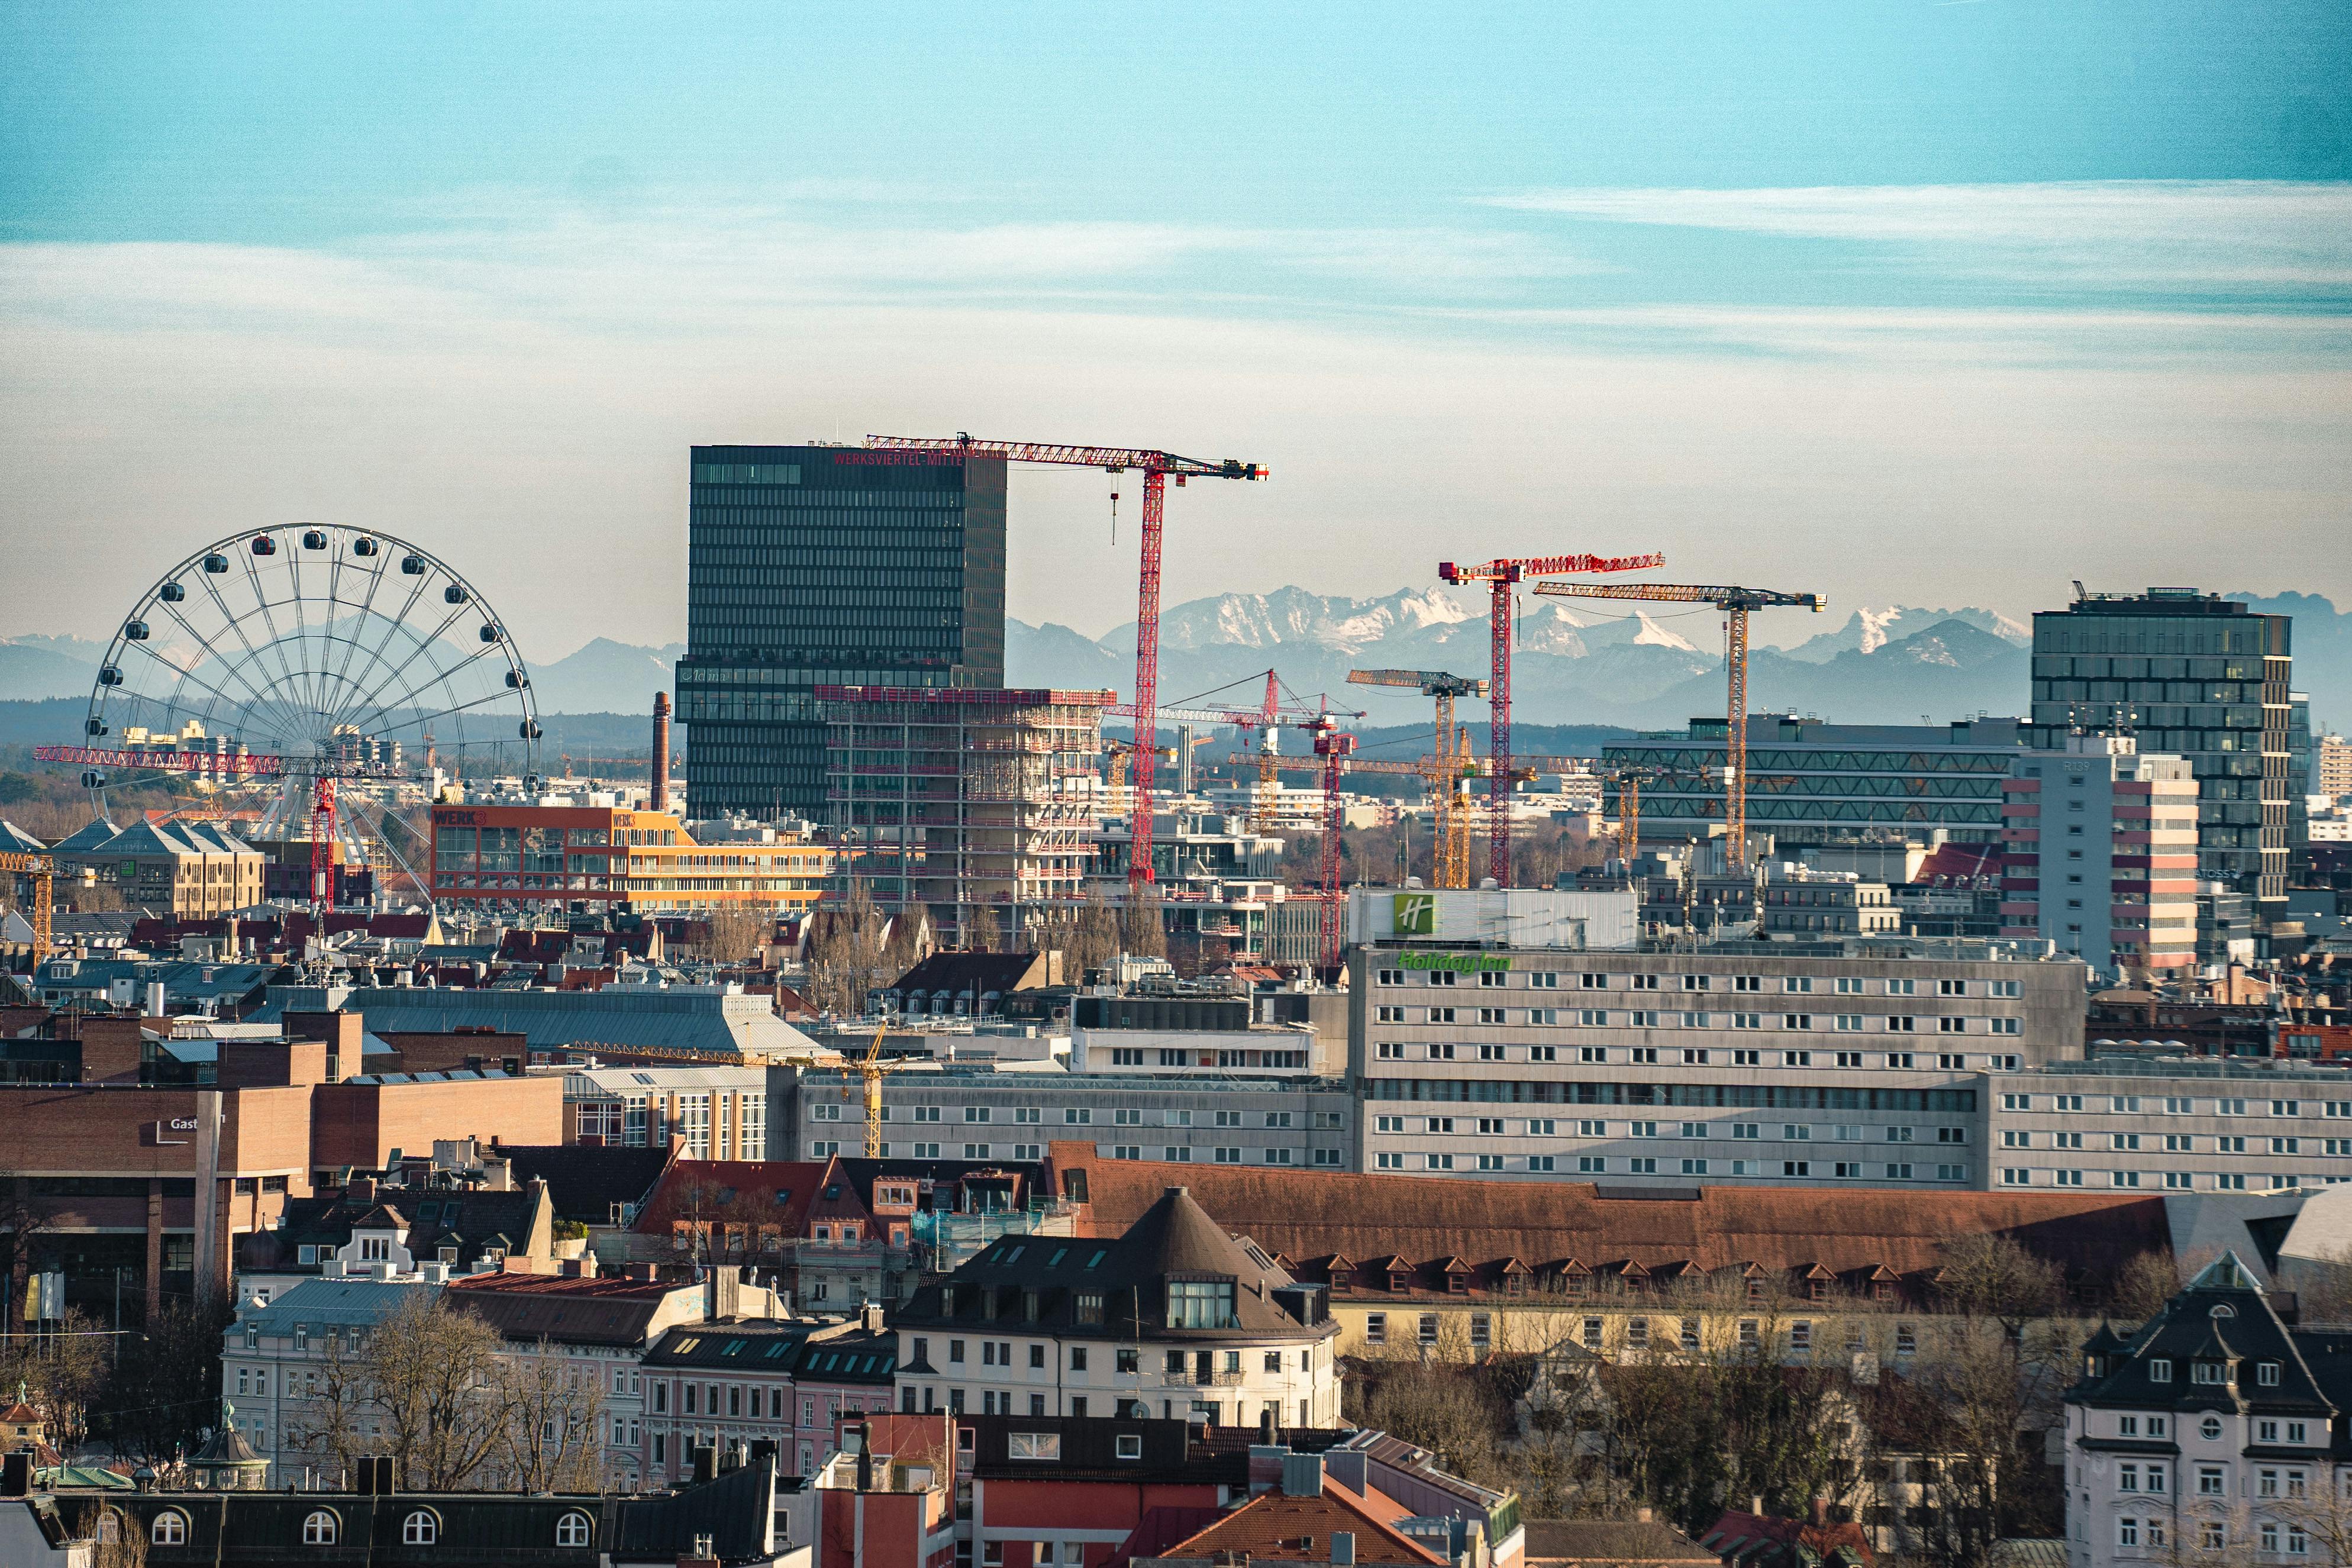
[2143, 1285]
[737, 933]
[433, 1373]
[983, 933]
[324, 1429]
[552, 1438]
[176, 1368]
[1992, 1277]
[63, 1373]
[1143, 930]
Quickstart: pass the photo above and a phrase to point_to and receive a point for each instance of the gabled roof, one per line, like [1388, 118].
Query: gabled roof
[585, 1180]
[1125, 1281]
[959, 972]
[1610, 1541]
[767, 1192]
[606, 1310]
[14, 840]
[86, 838]
[1761, 1541]
[2221, 1316]
[1310, 1213]
[1276, 1524]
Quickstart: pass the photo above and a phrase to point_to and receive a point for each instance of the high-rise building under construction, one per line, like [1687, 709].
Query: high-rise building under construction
[810, 566]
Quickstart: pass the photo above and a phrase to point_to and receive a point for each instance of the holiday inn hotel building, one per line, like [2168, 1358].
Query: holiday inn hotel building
[814, 565]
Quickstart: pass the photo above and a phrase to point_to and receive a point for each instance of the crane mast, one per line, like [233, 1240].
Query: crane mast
[1735, 603]
[1156, 467]
[1500, 576]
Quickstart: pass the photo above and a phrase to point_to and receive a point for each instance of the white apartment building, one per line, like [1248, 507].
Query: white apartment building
[2179, 1124]
[1175, 1319]
[977, 1112]
[2210, 1434]
[1860, 1060]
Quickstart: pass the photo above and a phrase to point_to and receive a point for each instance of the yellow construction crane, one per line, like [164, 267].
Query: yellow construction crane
[1444, 767]
[1736, 603]
[43, 872]
[871, 1070]
[1118, 752]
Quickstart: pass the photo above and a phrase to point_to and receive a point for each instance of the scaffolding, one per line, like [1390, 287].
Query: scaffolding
[960, 799]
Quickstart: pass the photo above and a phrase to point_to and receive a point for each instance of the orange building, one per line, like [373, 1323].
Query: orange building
[605, 855]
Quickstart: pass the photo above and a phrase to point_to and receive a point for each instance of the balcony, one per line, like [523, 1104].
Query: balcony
[1196, 1379]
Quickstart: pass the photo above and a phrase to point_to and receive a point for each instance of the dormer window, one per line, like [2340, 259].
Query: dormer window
[2267, 1374]
[1201, 1304]
[2159, 1369]
[2095, 1366]
[2209, 1371]
[1398, 1280]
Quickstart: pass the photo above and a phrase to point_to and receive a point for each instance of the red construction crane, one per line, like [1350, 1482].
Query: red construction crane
[1156, 467]
[322, 773]
[1334, 746]
[1735, 603]
[1500, 576]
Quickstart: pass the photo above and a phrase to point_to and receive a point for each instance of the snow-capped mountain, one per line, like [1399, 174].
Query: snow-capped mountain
[1868, 630]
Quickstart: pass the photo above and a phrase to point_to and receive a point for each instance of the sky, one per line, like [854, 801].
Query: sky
[1936, 304]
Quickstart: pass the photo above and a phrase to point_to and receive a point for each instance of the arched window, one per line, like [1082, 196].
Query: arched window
[420, 1529]
[319, 1528]
[572, 1530]
[170, 1529]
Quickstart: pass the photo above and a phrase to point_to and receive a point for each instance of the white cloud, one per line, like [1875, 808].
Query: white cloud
[523, 400]
[2263, 233]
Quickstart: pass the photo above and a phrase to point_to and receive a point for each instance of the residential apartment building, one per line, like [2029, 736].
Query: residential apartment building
[188, 869]
[2210, 1434]
[792, 1382]
[721, 1112]
[814, 565]
[1174, 1318]
[952, 1111]
[2102, 856]
[2196, 676]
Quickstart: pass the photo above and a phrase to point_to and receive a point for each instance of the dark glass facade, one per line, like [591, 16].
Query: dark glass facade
[2198, 677]
[810, 566]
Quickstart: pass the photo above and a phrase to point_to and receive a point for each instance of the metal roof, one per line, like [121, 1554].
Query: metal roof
[676, 1019]
[363, 1302]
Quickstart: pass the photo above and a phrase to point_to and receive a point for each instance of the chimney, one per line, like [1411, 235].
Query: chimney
[1756, 1505]
[155, 999]
[1266, 1425]
[1302, 1475]
[870, 1317]
[660, 798]
[706, 1463]
[1642, 1513]
[1343, 1549]
[1821, 1512]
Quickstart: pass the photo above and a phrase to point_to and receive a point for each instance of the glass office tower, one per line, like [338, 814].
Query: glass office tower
[2197, 676]
[810, 566]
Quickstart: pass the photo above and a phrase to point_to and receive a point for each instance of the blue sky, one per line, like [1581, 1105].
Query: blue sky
[2018, 292]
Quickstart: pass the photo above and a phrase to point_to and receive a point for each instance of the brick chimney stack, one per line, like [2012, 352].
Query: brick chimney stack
[661, 752]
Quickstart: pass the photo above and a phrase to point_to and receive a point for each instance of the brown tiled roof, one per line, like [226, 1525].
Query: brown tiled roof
[1610, 1542]
[1273, 1524]
[1568, 1226]
[565, 1309]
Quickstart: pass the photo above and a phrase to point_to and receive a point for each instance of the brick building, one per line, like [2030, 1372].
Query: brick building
[104, 1166]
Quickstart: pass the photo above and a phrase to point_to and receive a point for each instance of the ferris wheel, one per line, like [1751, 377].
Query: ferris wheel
[290, 658]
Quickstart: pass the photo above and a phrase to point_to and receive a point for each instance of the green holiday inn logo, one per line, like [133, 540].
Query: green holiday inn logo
[1415, 914]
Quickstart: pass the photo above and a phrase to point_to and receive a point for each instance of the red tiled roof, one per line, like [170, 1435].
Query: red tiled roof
[1312, 1215]
[1273, 1524]
[765, 1193]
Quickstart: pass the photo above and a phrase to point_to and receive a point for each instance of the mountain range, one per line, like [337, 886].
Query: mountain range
[1647, 667]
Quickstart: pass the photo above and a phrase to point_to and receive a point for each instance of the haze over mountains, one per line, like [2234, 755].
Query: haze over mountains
[1648, 667]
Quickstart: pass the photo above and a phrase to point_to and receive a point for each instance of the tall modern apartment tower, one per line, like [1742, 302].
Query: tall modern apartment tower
[810, 566]
[2195, 675]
